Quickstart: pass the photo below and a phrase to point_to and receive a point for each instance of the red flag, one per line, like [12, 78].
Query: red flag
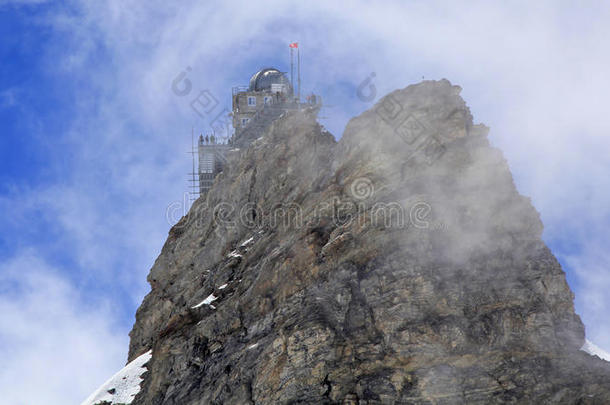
[294, 45]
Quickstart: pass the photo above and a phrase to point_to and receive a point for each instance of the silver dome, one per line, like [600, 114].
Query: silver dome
[264, 78]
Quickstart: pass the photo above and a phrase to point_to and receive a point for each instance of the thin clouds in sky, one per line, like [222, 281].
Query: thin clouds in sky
[55, 343]
[536, 73]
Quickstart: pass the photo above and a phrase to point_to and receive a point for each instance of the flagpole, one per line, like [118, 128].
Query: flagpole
[291, 68]
[299, 72]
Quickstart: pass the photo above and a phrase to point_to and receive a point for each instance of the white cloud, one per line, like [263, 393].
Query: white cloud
[55, 345]
[535, 73]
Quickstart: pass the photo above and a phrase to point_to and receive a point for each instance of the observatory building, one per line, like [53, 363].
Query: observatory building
[269, 94]
[267, 87]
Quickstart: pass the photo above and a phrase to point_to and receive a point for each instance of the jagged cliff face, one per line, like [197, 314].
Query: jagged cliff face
[399, 265]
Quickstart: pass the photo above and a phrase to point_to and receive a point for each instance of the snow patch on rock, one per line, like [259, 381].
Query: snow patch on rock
[234, 254]
[122, 387]
[247, 242]
[593, 350]
[208, 301]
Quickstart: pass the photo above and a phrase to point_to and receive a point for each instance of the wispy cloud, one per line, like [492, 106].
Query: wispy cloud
[535, 73]
[55, 342]
[8, 98]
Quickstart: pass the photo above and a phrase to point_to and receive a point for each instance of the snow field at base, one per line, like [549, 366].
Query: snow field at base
[593, 350]
[122, 387]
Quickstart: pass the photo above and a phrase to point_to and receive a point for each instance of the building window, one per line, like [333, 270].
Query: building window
[268, 99]
[278, 88]
[251, 100]
[244, 121]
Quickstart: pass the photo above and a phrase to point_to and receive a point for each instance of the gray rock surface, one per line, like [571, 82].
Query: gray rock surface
[397, 266]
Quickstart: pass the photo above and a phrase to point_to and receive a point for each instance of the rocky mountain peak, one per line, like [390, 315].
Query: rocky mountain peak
[397, 265]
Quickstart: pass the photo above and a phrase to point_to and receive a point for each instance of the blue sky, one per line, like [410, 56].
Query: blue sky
[93, 141]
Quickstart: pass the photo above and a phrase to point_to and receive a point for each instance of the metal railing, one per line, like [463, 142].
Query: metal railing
[239, 89]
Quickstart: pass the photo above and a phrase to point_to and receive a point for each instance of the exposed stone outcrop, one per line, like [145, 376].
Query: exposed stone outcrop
[397, 266]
